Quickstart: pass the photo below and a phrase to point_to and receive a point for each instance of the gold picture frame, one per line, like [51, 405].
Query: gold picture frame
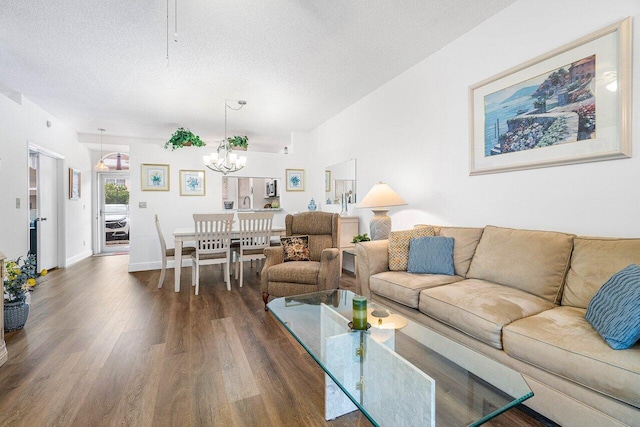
[295, 179]
[155, 177]
[192, 183]
[571, 105]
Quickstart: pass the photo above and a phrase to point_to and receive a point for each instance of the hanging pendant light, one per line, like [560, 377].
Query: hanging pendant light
[224, 160]
[101, 166]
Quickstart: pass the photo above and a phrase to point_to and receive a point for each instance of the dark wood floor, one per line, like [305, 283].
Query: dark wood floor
[106, 347]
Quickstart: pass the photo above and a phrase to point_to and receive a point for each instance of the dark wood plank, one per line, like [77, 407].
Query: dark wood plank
[106, 347]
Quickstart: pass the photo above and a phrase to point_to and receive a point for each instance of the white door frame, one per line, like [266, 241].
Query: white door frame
[61, 223]
[100, 240]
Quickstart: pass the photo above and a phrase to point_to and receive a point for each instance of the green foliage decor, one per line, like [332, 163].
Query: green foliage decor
[238, 141]
[116, 194]
[182, 137]
[361, 238]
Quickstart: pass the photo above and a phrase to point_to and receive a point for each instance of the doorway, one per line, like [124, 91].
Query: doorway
[44, 207]
[113, 212]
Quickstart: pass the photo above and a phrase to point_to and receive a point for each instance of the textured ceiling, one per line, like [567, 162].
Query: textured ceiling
[104, 64]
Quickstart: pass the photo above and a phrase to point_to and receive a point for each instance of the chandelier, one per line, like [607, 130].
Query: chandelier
[224, 160]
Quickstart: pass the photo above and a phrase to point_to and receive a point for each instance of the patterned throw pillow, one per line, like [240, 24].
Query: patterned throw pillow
[399, 246]
[296, 248]
[614, 311]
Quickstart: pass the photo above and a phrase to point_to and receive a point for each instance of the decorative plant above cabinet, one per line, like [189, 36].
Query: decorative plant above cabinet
[183, 138]
[239, 142]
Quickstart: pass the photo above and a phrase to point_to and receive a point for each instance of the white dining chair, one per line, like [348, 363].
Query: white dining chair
[168, 254]
[213, 244]
[255, 235]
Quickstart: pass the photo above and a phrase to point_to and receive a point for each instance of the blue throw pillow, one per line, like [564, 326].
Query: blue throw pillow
[614, 311]
[432, 255]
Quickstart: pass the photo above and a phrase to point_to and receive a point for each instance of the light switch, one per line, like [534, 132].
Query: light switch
[17, 202]
[142, 205]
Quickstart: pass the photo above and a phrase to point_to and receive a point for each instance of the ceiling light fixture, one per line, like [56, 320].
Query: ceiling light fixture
[224, 160]
[101, 166]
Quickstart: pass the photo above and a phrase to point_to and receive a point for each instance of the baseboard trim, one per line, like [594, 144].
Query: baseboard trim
[155, 265]
[78, 258]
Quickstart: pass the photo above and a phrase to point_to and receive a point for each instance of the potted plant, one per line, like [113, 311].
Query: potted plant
[361, 238]
[20, 278]
[240, 143]
[183, 138]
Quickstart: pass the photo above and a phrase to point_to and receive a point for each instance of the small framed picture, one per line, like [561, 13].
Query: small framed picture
[192, 183]
[155, 177]
[327, 181]
[295, 179]
[75, 184]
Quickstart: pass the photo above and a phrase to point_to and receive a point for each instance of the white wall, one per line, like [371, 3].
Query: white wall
[176, 211]
[413, 133]
[23, 123]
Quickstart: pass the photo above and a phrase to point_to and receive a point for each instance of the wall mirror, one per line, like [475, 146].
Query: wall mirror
[250, 193]
[339, 180]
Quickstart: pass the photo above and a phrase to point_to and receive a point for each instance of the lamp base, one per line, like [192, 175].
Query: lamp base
[380, 224]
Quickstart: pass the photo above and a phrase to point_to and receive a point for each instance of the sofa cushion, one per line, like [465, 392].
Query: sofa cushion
[403, 287]
[480, 308]
[593, 262]
[431, 255]
[533, 261]
[562, 342]
[295, 272]
[399, 246]
[615, 309]
[465, 243]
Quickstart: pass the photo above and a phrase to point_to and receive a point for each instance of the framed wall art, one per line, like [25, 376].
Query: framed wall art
[75, 184]
[192, 183]
[295, 180]
[155, 177]
[571, 105]
[327, 181]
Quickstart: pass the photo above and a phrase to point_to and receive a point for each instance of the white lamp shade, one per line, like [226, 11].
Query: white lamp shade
[380, 196]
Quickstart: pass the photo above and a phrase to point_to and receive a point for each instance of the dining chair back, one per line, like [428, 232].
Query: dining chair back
[168, 254]
[255, 235]
[213, 244]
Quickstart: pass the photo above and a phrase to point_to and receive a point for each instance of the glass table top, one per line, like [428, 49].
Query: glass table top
[398, 372]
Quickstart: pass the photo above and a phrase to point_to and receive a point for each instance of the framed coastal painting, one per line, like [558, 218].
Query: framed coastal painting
[571, 105]
[155, 177]
[295, 180]
[192, 183]
[75, 184]
[327, 181]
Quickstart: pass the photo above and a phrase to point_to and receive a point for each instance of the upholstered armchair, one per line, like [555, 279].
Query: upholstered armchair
[321, 272]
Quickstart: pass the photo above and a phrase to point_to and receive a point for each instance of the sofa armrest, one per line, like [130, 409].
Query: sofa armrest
[329, 274]
[371, 258]
[274, 256]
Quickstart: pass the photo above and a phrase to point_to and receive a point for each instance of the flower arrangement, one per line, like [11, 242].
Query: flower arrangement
[21, 278]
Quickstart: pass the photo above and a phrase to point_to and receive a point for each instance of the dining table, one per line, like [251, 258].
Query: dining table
[188, 234]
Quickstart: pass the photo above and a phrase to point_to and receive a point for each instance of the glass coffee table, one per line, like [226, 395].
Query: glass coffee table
[398, 372]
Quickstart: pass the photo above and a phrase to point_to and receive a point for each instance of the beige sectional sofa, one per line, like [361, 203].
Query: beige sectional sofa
[520, 297]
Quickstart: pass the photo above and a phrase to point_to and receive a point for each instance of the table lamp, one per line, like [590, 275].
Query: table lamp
[379, 199]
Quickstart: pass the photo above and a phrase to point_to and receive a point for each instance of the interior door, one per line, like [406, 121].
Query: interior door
[47, 177]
